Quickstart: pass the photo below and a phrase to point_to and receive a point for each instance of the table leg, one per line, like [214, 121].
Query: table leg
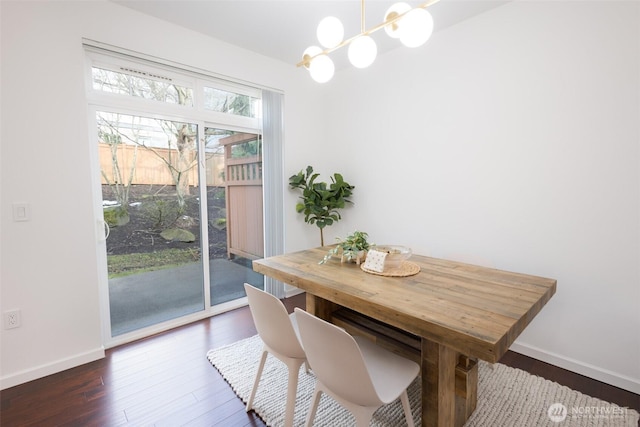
[438, 384]
[320, 307]
[466, 388]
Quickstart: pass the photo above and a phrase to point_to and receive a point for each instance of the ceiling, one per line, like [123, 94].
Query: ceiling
[283, 29]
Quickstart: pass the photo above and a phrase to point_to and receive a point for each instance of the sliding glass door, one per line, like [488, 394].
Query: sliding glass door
[179, 164]
[151, 203]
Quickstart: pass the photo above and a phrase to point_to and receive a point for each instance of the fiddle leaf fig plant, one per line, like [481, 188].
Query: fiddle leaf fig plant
[320, 203]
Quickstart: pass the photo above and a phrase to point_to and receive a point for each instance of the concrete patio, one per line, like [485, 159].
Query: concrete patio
[142, 300]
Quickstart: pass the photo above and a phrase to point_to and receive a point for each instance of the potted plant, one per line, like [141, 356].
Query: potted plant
[354, 248]
[321, 202]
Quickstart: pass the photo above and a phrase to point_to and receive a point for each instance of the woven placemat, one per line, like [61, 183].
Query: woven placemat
[405, 269]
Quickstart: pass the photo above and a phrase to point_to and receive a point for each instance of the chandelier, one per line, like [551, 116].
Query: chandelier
[413, 26]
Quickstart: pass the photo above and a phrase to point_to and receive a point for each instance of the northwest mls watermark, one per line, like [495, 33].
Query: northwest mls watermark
[559, 412]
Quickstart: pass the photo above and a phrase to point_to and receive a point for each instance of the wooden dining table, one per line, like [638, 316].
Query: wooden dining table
[446, 317]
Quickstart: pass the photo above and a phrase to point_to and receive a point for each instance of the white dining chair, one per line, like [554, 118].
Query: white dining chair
[354, 371]
[278, 331]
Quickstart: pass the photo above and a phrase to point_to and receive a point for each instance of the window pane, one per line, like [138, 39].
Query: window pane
[234, 210]
[144, 85]
[242, 145]
[250, 148]
[229, 102]
[151, 202]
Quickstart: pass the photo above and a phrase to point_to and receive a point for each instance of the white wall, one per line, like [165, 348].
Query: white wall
[49, 264]
[513, 138]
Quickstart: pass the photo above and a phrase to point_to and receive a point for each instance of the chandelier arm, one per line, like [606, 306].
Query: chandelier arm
[306, 60]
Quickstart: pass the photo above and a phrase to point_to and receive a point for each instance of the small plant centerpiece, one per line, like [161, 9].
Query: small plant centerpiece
[321, 202]
[354, 248]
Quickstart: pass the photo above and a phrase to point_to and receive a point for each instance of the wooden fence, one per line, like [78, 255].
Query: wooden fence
[149, 168]
[245, 231]
[241, 177]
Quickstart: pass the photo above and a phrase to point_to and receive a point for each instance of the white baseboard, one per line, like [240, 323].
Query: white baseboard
[50, 368]
[609, 377]
[291, 291]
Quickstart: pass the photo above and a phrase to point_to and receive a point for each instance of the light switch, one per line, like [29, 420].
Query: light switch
[21, 212]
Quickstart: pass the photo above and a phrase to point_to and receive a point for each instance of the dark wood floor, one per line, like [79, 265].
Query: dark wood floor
[166, 380]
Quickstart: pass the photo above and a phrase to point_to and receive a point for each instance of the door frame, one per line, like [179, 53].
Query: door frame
[109, 102]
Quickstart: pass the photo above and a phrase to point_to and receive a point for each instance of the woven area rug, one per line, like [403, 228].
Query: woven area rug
[506, 396]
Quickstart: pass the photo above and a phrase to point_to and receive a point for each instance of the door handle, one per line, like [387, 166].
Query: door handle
[103, 230]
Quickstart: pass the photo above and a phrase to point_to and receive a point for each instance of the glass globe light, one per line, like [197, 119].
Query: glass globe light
[330, 32]
[309, 53]
[393, 30]
[362, 52]
[417, 27]
[322, 69]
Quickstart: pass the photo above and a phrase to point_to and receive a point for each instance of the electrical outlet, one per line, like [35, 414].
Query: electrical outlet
[12, 319]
